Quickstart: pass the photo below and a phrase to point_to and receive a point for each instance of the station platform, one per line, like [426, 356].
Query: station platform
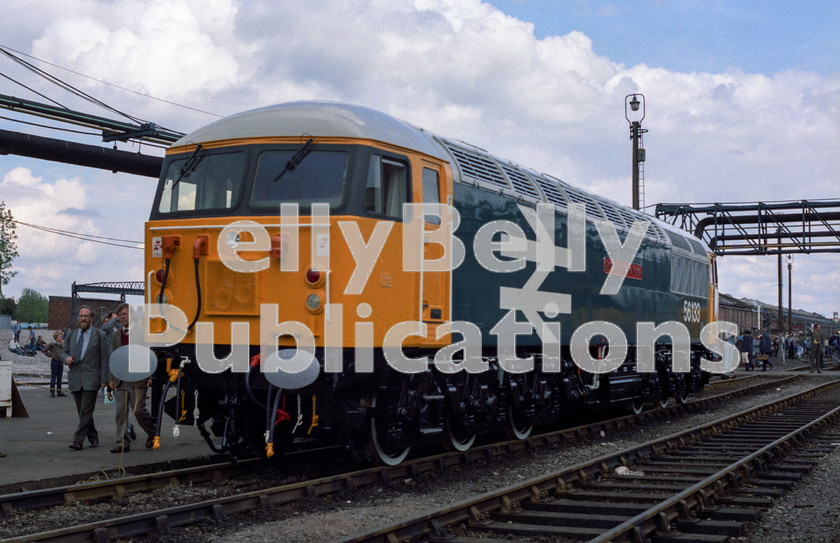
[36, 447]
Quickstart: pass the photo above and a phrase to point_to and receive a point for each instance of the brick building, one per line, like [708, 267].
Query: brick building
[60, 316]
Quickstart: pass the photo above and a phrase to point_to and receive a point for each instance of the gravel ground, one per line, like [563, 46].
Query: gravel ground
[808, 513]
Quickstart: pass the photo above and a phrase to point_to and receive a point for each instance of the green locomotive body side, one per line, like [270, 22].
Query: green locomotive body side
[646, 294]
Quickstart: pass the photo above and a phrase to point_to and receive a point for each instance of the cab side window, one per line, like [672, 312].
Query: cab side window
[431, 195]
[387, 187]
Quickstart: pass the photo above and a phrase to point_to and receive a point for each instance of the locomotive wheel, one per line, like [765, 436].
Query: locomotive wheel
[380, 446]
[637, 406]
[683, 390]
[457, 437]
[516, 427]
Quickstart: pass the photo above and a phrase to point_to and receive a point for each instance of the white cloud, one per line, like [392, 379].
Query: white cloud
[45, 258]
[159, 47]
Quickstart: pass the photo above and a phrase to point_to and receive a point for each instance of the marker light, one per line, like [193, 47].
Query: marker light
[313, 277]
[159, 275]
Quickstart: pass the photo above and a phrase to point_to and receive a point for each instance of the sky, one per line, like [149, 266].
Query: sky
[742, 102]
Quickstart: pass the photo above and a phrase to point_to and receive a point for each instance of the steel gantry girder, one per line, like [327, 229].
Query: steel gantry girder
[756, 228]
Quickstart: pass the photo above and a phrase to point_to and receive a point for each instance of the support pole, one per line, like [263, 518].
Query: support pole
[790, 306]
[781, 286]
[634, 135]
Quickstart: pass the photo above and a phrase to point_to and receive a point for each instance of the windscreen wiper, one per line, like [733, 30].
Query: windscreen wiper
[191, 164]
[296, 159]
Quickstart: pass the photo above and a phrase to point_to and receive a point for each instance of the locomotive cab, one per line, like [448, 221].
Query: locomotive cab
[294, 245]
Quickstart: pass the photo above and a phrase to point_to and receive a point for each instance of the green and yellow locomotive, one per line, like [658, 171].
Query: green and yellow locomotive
[347, 276]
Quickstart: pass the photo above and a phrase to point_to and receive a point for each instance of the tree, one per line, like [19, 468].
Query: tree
[8, 245]
[32, 306]
[7, 306]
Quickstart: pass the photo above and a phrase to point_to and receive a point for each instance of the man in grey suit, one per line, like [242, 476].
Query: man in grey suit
[86, 353]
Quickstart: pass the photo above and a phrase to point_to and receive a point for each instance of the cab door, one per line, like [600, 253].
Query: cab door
[435, 292]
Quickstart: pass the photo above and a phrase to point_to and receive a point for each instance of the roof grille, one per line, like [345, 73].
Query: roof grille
[553, 193]
[520, 182]
[614, 215]
[478, 167]
[578, 197]
[656, 232]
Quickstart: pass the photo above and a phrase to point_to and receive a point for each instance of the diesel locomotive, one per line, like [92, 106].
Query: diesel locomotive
[343, 275]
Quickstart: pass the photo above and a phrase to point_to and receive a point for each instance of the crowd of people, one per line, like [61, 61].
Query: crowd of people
[85, 351]
[759, 349]
[31, 347]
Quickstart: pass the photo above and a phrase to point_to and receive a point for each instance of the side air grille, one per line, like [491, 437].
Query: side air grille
[593, 210]
[520, 182]
[552, 191]
[478, 167]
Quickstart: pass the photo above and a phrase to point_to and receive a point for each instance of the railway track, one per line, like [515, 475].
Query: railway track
[160, 521]
[120, 487]
[701, 485]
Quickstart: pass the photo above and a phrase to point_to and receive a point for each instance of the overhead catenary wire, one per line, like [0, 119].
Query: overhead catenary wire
[6, 49]
[159, 133]
[66, 86]
[87, 237]
[30, 89]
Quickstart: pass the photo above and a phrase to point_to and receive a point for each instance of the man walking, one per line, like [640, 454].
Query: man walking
[86, 354]
[816, 349]
[745, 345]
[765, 349]
[129, 397]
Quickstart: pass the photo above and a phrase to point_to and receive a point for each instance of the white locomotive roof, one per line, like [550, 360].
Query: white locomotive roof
[325, 119]
[469, 164]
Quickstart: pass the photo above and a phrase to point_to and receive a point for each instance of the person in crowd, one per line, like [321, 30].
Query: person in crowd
[86, 354]
[129, 397]
[40, 344]
[816, 340]
[745, 346]
[29, 347]
[765, 349]
[111, 324]
[53, 350]
[16, 330]
[15, 347]
[783, 349]
[834, 343]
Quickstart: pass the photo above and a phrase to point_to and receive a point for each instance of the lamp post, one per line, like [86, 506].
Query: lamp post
[636, 130]
[790, 304]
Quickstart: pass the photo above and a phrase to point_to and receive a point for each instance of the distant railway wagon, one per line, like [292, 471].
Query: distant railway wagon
[328, 289]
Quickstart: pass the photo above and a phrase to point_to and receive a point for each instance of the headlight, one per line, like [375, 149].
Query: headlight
[313, 302]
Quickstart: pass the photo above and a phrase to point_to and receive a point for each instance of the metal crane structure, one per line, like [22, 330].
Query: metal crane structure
[123, 288]
[760, 228]
[92, 156]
